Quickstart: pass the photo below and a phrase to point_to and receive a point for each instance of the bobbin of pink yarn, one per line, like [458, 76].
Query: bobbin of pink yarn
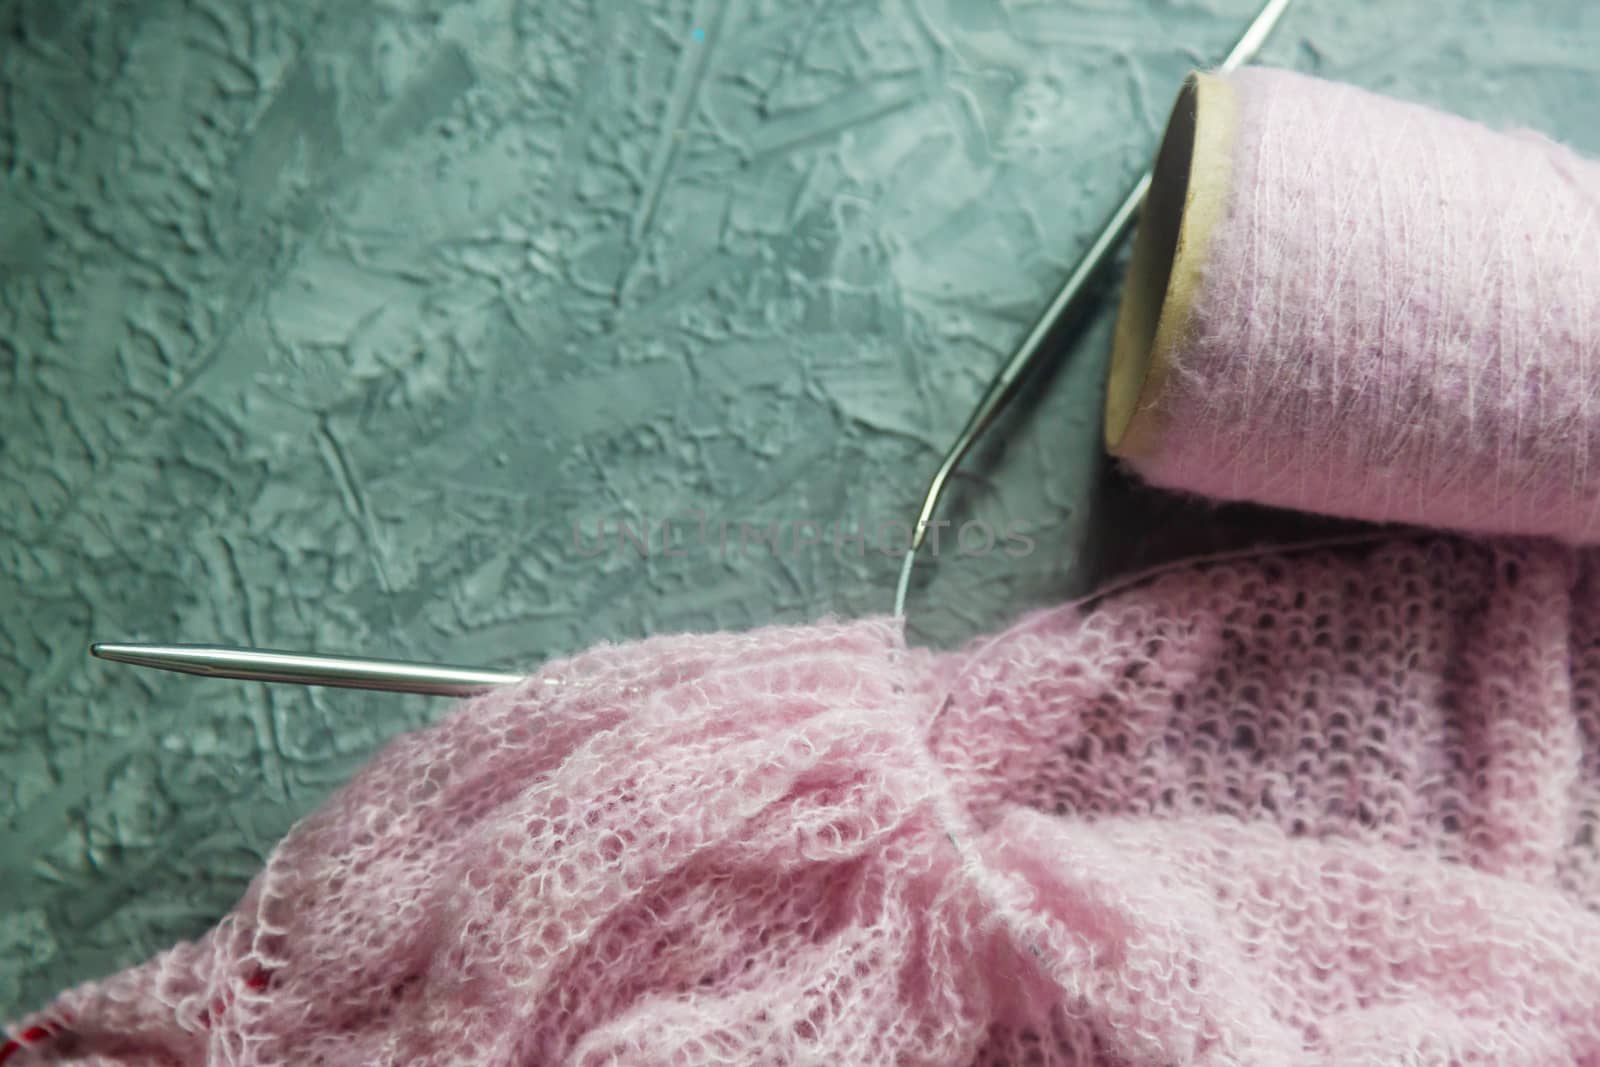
[1351, 305]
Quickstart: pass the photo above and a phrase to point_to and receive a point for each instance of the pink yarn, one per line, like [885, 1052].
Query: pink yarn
[1338, 807]
[1399, 320]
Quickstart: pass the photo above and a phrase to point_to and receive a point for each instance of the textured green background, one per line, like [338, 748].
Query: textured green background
[322, 322]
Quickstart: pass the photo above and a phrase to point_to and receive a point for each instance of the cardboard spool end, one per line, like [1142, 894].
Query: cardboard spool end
[1187, 200]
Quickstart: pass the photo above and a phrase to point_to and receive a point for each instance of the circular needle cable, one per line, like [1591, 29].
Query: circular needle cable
[1003, 387]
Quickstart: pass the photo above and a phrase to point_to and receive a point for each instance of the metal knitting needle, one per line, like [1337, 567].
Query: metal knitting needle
[1003, 387]
[310, 668]
[350, 672]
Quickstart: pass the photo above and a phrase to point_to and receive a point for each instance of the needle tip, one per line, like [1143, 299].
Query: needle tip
[138, 655]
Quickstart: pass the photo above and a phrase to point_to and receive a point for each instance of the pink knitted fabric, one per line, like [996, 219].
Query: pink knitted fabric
[1335, 807]
[1397, 321]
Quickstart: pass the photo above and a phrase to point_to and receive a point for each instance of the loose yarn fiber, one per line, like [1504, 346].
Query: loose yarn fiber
[1368, 309]
[1331, 808]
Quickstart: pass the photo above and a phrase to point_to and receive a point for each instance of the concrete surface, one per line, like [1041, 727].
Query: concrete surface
[322, 323]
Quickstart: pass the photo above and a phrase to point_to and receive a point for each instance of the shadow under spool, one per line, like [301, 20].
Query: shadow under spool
[1188, 198]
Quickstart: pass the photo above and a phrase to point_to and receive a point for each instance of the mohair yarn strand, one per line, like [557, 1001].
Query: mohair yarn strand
[1397, 318]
